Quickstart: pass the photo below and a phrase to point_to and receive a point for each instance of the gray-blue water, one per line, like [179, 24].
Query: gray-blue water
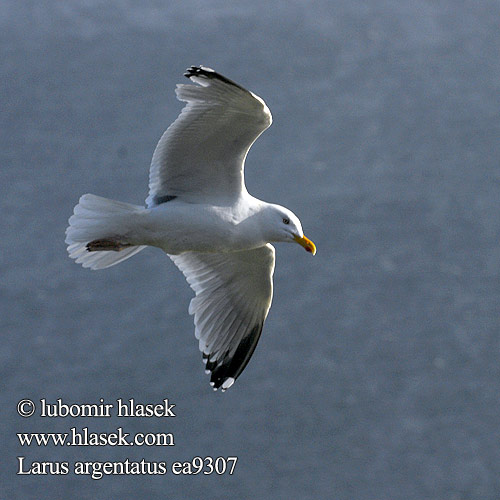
[378, 372]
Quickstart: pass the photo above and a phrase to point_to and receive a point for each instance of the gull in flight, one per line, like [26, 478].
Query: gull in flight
[200, 213]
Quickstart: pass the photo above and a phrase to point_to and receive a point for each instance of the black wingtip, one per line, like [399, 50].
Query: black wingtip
[227, 369]
[200, 70]
[210, 74]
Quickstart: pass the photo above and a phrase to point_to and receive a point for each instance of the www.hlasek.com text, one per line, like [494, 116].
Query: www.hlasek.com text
[83, 437]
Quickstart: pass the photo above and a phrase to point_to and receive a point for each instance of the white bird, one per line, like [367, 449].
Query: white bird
[200, 213]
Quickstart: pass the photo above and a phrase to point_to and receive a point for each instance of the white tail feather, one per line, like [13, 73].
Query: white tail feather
[97, 218]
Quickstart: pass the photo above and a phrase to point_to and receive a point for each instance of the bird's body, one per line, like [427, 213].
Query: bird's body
[199, 212]
[215, 228]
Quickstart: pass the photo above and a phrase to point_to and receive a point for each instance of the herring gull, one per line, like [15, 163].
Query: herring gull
[200, 213]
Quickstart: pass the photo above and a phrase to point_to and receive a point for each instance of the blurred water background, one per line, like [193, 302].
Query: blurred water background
[378, 372]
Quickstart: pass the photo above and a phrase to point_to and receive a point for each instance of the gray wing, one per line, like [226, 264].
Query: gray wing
[201, 156]
[233, 296]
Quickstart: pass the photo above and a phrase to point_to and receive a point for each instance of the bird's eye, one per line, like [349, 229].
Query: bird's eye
[286, 220]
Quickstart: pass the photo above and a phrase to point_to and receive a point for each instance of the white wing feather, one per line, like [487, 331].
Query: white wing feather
[233, 296]
[201, 156]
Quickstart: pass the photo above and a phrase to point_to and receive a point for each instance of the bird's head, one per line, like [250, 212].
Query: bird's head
[285, 226]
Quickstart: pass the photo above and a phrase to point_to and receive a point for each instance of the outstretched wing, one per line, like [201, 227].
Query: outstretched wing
[201, 155]
[233, 296]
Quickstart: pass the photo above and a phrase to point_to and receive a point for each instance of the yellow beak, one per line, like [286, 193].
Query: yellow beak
[306, 243]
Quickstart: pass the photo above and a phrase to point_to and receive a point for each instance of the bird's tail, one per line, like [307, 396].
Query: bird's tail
[96, 235]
